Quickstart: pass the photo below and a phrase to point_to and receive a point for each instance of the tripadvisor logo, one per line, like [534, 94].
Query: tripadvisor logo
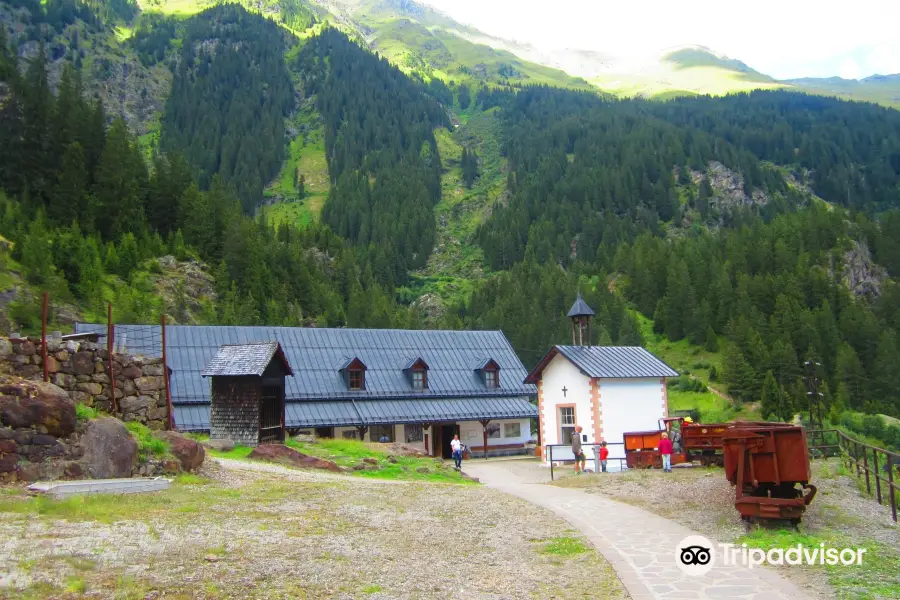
[696, 555]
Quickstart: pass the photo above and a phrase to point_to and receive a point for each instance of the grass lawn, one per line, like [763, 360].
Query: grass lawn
[347, 453]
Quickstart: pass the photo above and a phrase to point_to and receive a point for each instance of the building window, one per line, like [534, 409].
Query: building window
[349, 435]
[490, 379]
[493, 430]
[413, 433]
[512, 430]
[381, 433]
[566, 424]
[418, 380]
[356, 379]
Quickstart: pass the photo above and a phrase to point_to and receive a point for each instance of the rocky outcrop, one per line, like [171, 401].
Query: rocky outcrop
[81, 369]
[109, 450]
[860, 273]
[187, 289]
[288, 456]
[727, 187]
[35, 404]
[188, 452]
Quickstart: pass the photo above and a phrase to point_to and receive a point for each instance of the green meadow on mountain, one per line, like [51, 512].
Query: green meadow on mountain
[380, 168]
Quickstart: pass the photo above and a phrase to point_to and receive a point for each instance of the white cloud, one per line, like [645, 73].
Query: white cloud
[783, 38]
[848, 69]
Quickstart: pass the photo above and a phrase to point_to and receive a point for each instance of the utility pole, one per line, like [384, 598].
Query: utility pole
[816, 399]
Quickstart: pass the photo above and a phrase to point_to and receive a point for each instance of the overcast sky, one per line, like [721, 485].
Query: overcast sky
[782, 38]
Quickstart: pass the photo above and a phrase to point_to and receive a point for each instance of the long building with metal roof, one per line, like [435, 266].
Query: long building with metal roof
[404, 385]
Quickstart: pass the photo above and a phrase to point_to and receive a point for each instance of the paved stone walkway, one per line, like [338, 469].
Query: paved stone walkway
[638, 544]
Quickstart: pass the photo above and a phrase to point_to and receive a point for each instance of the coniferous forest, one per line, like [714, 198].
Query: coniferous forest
[763, 226]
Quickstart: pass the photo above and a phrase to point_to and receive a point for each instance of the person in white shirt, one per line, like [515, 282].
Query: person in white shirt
[456, 446]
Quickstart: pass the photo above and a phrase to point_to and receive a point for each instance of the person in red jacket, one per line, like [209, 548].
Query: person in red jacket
[665, 450]
[604, 455]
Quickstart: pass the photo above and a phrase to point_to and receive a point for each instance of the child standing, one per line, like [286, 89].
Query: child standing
[665, 450]
[604, 455]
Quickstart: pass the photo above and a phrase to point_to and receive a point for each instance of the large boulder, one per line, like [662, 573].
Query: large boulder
[188, 452]
[288, 456]
[36, 404]
[109, 450]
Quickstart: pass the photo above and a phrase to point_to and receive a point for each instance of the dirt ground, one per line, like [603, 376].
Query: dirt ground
[267, 531]
[702, 499]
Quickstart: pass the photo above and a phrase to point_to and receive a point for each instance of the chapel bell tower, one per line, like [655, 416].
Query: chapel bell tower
[581, 315]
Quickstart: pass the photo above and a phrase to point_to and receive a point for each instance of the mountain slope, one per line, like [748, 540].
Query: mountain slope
[421, 40]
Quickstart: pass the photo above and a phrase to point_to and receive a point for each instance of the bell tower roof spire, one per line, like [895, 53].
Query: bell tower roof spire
[580, 308]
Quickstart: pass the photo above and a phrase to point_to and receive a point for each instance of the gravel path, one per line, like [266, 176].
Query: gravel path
[703, 500]
[266, 531]
[639, 544]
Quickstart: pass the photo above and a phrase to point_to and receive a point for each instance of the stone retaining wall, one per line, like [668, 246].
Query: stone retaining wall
[82, 370]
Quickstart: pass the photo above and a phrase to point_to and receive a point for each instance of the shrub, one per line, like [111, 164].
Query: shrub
[873, 425]
[713, 373]
[148, 445]
[84, 412]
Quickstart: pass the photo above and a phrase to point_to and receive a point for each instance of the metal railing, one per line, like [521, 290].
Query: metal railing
[823, 443]
[596, 458]
[854, 452]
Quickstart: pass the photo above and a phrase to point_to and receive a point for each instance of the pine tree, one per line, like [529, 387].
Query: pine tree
[37, 107]
[886, 374]
[629, 332]
[775, 404]
[712, 340]
[120, 184]
[69, 197]
[464, 96]
[851, 377]
[771, 393]
[742, 380]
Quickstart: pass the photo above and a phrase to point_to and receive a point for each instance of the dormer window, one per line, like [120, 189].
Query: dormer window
[354, 373]
[356, 379]
[417, 372]
[489, 372]
[418, 379]
[490, 379]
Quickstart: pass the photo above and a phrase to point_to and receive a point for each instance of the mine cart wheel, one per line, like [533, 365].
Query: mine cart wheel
[795, 524]
[748, 524]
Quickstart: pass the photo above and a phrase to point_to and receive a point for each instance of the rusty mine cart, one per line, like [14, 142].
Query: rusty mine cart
[699, 441]
[766, 462]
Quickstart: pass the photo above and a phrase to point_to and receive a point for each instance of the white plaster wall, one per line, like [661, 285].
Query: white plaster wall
[472, 433]
[398, 436]
[629, 405]
[558, 374]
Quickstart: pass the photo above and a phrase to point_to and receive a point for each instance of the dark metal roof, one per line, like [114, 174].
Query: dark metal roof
[612, 362]
[580, 308]
[483, 363]
[316, 356]
[245, 359]
[342, 413]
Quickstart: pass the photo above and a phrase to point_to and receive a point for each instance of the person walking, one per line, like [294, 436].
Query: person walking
[577, 451]
[665, 451]
[456, 447]
[604, 456]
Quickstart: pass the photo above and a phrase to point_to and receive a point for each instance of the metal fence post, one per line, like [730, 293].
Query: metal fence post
[866, 469]
[44, 337]
[877, 476]
[110, 346]
[551, 462]
[171, 424]
[890, 467]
